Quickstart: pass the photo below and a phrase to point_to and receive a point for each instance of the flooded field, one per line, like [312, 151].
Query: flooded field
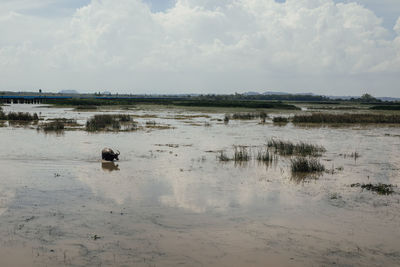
[171, 201]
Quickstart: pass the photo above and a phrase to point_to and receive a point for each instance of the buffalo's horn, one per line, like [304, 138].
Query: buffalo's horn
[118, 152]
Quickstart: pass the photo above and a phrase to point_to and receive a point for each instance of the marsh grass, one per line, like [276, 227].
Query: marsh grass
[306, 165]
[280, 119]
[222, 156]
[386, 107]
[106, 121]
[287, 148]
[241, 154]
[347, 118]
[54, 126]
[355, 155]
[266, 156]
[65, 121]
[124, 118]
[226, 119]
[249, 116]
[381, 189]
[19, 116]
[185, 117]
[86, 107]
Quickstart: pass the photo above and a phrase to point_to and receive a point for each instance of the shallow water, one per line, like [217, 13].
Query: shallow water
[169, 201]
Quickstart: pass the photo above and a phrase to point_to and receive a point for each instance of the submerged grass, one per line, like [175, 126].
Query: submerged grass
[347, 118]
[381, 189]
[306, 165]
[287, 148]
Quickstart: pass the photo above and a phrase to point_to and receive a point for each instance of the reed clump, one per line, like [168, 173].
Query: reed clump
[226, 119]
[381, 189]
[347, 118]
[19, 116]
[54, 126]
[150, 123]
[266, 156]
[241, 153]
[106, 121]
[222, 156]
[249, 116]
[280, 119]
[287, 148]
[86, 107]
[123, 117]
[306, 165]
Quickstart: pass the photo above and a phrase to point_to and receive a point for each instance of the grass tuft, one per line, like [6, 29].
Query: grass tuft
[306, 165]
[287, 148]
[223, 157]
[346, 118]
[241, 153]
[280, 119]
[54, 126]
[19, 116]
[249, 116]
[266, 156]
[106, 121]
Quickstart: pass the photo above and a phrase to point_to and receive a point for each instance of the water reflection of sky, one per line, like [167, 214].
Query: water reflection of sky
[173, 172]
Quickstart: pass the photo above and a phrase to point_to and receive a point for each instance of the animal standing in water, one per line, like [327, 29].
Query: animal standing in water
[109, 155]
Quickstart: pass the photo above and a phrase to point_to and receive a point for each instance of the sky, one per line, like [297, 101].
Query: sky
[329, 47]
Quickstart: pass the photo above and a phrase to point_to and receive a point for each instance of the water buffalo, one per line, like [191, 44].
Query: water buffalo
[109, 155]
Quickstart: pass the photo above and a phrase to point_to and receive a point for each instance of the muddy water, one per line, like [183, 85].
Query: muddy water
[169, 201]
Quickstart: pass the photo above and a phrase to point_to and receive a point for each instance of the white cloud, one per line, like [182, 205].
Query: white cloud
[204, 46]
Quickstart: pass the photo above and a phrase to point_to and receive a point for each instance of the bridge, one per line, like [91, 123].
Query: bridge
[39, 99]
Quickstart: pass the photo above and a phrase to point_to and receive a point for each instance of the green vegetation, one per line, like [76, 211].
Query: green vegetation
[223, 157]
[386, 107]
[346, 118]
[381, 189]
[55, 126]
[306, 165]
[86, 107]
[264, 155]
[189, 102]
[226, 119]
[248, 116]
[287, 148]
[106, 121]
[280, 119]
[240, 154]
[19, 116]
